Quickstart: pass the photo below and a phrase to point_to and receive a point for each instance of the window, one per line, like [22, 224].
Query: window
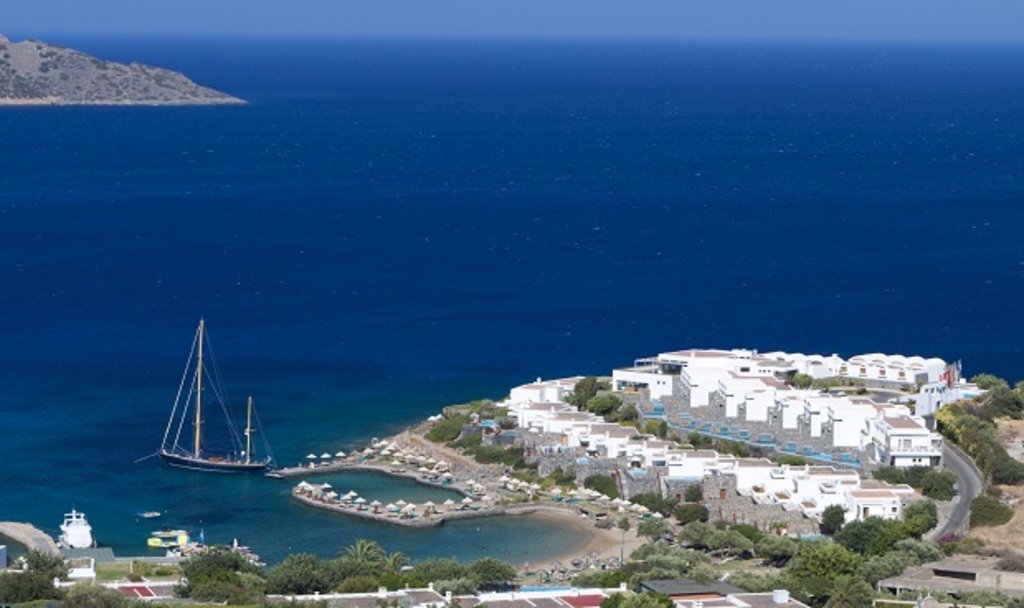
[721, 494]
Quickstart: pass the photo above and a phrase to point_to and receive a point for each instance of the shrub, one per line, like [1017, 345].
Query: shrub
[448, 429]
[938, 484]
[693, 493]
[361, 583]
[1011, 562]
[790, 459]
[655, 503]
[688, 513]
[603, 484]
[832, 519]
[988, 511]
[92, 596]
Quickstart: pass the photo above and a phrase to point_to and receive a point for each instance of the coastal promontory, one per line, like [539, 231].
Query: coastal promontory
[33, 72]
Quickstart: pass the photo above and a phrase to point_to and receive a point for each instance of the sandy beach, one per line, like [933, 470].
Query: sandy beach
[605, 544]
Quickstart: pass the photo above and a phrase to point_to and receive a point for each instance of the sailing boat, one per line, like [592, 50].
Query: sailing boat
[197, 456]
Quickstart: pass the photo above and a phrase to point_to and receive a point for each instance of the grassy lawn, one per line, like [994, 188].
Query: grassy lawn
[120, 570]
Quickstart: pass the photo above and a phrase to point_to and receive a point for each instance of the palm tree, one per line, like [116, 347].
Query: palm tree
[367, 551]
[396, 561]
[850, 592]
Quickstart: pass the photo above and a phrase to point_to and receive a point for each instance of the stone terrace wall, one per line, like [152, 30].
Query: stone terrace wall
[724, 503]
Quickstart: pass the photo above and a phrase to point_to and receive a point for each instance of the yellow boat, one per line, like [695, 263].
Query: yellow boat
[166, 539]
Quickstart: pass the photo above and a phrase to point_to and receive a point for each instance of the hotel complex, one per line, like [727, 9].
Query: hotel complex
[842, 416]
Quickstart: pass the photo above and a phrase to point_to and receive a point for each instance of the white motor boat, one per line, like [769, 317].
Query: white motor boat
[75, 532]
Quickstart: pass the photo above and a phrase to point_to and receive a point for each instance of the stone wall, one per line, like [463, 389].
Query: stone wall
[724, 503]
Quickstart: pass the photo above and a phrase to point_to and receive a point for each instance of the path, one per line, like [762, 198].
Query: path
[969, 485]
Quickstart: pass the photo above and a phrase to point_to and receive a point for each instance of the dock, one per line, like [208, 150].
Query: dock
[435, 519]
[31, 537]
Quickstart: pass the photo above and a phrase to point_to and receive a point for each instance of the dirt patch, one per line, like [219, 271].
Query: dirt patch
[1009, 536]
[1010, 433]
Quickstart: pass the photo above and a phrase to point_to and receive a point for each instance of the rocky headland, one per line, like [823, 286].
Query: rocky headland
[33, 72]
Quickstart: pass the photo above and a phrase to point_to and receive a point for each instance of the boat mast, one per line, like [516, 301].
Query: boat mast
[199, 393]
[248, 433]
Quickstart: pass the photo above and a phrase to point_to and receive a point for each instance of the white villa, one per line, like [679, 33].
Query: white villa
[810, 489]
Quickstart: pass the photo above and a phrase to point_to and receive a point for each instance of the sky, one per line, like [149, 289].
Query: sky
[869, 20]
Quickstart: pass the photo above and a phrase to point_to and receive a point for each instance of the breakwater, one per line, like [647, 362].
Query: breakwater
[427, 520]
[28, 535]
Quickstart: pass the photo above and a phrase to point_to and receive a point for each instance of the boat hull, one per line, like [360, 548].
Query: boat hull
[213, 466]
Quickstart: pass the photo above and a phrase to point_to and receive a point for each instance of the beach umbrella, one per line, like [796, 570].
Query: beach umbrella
[449, 502]
[375, 503]
[556, 491]
[305, 485]
[421, 459]
[383, 442]
[360, 501]
[431, 461]
[350, 494]
[368, 451]
[658, 515]
[428, 506]
[467, 500]
[385, 452]
[391, 507]
[331, 494]
[410, 508]
[339, 454]
[396, 463]
[311, 456]
[423, 470]
[326, 486]
[401, 503]
[325, 455]
[447, 475]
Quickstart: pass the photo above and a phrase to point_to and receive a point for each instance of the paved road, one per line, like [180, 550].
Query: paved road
[969, 484]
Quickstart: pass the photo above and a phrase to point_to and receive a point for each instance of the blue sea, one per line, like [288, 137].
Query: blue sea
[392, 226]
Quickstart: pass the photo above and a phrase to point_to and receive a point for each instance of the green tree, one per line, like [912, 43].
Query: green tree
[216, 575]
[850, 592]
[802, 381]
[396, 561]
[653, 528]
[51, 566]
[490, 573]
[654, 502]
[871, 536]
[816, 566]
[17, 587]
[302, 574]
[648, 600]
[627, 413]
[603, 484]
[436, 569]
[92, 596]
[658, 428]
[777, 550]
[938, 484]
[614, 600]
[365, 551]
[833, 518]
[361, 583]
[458, 586]
[688, 513]
[693, 493]
[584, 390]
[920, 516]
[989, 381]
[603, 405]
